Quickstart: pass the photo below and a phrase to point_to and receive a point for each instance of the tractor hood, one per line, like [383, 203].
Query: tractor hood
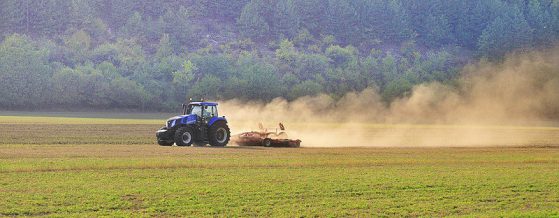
[181, 119]
[178, 117]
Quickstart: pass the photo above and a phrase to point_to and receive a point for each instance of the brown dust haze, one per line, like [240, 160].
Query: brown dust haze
[511, 103]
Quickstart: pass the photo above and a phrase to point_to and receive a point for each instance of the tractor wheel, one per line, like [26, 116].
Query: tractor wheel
[184, 136]
[165, 143]
[267, 142]
[219, 134]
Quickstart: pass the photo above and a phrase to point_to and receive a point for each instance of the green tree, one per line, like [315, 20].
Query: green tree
[66, 88]
[342, 20]
[254, 79]
[251, 22]
[78, 45]
[24, 73]
[224, 9]
[130, 57]
[153, 29]
[81, 14]
[94, 88]
[540, 20]
[117, 12]
[134, 25]
[49, 17]
[397, 25]
[311, 15]
[108, 70]
[430, 20]
[208, 87]
[396, 88]
[506, 33]
[125, 93]
[182, 78]
[341, 57]
[285, 19]
[217, 65]
[478, 14]
[286, 53]
[15, 15]
[305, 88]
[309, 66]
[437, 32]
[164, 49]
[385, 20]
[180, 28]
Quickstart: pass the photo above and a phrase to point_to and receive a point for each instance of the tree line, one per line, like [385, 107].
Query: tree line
[147, 55]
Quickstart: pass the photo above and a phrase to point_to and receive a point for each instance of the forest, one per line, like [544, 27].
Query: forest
[153, 55]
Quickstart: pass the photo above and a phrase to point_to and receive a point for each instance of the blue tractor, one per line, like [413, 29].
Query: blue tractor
[199, 124]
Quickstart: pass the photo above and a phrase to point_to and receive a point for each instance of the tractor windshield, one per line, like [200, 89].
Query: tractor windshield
[195, 109]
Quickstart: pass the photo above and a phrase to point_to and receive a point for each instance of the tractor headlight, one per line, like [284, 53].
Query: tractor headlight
[171, 123]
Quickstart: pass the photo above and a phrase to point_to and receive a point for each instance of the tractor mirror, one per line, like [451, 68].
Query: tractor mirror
[282, 127]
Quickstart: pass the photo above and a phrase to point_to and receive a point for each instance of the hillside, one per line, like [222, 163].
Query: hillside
[151, 55]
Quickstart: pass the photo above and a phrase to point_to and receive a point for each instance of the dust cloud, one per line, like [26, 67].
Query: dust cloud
[511, 103]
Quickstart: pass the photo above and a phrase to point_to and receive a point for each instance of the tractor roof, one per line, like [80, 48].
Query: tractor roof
[204, 103]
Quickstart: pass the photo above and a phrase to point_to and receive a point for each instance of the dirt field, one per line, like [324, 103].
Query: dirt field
[94, 167]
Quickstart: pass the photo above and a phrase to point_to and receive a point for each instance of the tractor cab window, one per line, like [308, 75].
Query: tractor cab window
[210, 111]
[195, 109]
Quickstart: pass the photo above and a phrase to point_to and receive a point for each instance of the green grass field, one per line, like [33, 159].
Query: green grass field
[52, 166]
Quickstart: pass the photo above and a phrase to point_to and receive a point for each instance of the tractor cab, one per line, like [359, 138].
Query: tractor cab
[203, 110]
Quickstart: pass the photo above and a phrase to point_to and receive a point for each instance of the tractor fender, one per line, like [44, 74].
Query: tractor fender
[215, 119]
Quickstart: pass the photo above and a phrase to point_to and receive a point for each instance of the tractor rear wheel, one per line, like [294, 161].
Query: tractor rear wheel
[184, 136]
[219, 134]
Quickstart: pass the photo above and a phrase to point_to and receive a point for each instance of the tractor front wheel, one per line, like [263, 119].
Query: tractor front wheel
[184, 136]
[219, 134]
